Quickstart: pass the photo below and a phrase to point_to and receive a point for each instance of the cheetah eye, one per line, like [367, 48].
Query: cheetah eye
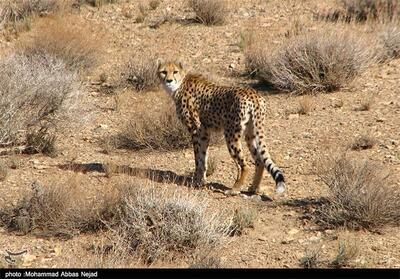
[164, 72]
[175, 72]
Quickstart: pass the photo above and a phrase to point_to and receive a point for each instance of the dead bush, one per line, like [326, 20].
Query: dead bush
[58, 210]
[72, 43]
[209, 12]
[13, 11]
[140, 72]
[155, 130]
[166, 225]
[360, 195]
[32, 88]
[363, 142]
[320, 61]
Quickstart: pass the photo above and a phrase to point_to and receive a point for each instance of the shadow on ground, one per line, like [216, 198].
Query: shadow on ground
[161, 176]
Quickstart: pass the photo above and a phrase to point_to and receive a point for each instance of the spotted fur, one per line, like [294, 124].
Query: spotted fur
[204, 106]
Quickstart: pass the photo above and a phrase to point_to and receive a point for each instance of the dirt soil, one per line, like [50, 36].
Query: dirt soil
[282, 233]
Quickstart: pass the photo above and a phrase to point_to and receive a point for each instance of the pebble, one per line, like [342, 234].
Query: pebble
[294, 116]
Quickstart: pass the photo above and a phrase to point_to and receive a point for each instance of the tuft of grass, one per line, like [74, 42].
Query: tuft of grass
[155, 130]
[346, 252]
[209, 12]
[165, 225]
[363, 142]
[305, 105]
[360, 195]
[33, 88]
[389, 40]
[312, 258]
[243, 218]
[212, 166]
[366, 104]
[321, 61]
[41, 141]
[74, 43]
[140, 72]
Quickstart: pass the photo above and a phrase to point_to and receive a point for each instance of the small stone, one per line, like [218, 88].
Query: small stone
[314, 239]
[293, 231]
[287, 240]
[294, 116]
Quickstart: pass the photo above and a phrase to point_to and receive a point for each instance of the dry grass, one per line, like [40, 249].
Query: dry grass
[155, 130]
[140, 72]
[347, 252]
[168, 225]
[360, 195]
[12, 12]
[211, 165]
[32, 89]
[93, 3]
[363, 142]
[56, 210]
[41, 141]
[364, 10]
[306, 105]
[319, 61]
[389, 40]
[72, 43]
[312, 258]
[243, 218]
[209, 12]
[3, 171]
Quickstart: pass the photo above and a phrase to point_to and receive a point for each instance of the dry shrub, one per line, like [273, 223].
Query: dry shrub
[312, 258]
[155, 130]
[360, 195]
[41, 141]
[72, 43]
[140, 72]
[347, 251]
[169, 225]
[18, 10]
[363, 142]
[32, 88]
[321, 61]
[243, 218]
[389, 40]
[58, 210]
[209, 12]
[364, 10]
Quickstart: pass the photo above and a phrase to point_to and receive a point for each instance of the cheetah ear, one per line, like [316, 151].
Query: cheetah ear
[160, 61]
[179, 63]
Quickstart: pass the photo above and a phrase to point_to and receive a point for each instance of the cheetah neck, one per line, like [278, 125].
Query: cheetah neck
[171, 88]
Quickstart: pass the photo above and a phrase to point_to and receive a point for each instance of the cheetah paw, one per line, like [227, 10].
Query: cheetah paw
[232, 192]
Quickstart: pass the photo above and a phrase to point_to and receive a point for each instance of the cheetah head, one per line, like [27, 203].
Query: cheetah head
[171, 74]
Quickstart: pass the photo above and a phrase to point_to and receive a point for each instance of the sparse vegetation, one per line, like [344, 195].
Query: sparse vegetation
[389, 39]
[32, 89]
[363, 142]
[319, 61]
[3, 171]
[360, 196]
[209, 12]
[347, 252]
[155, 130]
[12, 12]
[212, 165]
[364, 10]
[312, 258]
[74, 44]
[41, 141]
[243, 218]
[160, 224]
[305, 105]
[141, 72]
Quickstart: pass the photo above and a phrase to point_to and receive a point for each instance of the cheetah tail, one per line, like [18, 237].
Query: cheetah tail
[265, 157]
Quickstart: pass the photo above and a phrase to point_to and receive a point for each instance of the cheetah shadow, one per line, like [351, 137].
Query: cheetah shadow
[161, 176]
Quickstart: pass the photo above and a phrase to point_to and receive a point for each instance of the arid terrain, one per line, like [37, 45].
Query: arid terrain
[306, 133]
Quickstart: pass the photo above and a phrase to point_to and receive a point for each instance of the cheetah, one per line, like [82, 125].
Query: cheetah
[203, 107]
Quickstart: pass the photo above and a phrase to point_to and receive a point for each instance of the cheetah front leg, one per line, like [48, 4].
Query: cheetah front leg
[201, 140]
